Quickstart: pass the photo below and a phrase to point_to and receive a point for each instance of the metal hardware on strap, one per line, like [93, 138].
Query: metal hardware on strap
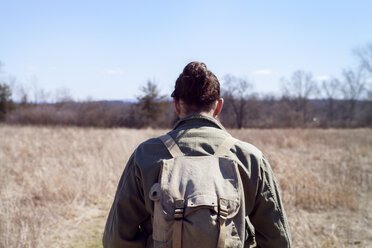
[223, 213]
[225, 146]
[178, 214]
[179, 206]
[222, 217]
[178, 218]
[171, 145]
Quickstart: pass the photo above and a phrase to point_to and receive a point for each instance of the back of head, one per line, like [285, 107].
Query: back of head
[197, 87]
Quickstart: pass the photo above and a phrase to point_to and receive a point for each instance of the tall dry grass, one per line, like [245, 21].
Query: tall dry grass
[54, 180]
[57, 184]
[326, 182]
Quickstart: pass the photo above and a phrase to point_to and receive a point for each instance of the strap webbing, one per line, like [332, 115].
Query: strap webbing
[225, 146]
[171, 145]
[222, 216]
[177, 234]
[178, 219]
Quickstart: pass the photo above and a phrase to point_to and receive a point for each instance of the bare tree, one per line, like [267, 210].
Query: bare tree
[63, 95]
[22, 95]
[237, 93]
[331, 91]
[365, 57]
[353, 87]
[35, 89]
[299, 89]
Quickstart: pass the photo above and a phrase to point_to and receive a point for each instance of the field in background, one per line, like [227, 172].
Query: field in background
[57, 184]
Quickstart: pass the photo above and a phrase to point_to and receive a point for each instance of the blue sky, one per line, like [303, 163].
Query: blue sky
[108, 49]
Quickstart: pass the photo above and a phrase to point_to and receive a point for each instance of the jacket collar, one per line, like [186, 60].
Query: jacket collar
[200, 120]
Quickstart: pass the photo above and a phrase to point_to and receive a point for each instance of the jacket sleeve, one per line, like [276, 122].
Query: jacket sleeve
[127, 212]
[268, 216]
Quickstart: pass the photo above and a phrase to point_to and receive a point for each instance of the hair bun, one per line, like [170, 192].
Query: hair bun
[196, 69]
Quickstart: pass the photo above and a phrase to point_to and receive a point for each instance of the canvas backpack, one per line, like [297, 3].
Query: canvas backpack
[198, 200]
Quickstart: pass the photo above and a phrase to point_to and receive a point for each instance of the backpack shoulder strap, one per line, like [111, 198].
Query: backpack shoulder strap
[225, 146]
[171, 145]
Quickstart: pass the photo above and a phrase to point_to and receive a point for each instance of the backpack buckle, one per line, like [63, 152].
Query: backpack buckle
[223, 212]
[222, 217]
[179, 209]
[178, 214]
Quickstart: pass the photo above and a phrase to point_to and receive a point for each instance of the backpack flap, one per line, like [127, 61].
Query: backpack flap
[206, 201]
[212, 202]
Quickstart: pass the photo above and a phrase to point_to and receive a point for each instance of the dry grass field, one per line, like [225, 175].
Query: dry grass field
[57, 184]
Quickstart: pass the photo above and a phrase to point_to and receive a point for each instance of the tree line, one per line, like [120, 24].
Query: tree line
[304, 102]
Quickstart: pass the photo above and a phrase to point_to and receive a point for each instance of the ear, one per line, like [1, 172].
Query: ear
[177, 106]
[218, 109]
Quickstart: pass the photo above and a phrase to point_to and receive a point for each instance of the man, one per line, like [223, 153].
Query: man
[198, 133]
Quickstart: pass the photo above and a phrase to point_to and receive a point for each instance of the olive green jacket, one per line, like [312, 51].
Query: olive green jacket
[129, 221]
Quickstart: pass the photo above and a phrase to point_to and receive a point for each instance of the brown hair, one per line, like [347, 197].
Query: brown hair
[197, 86]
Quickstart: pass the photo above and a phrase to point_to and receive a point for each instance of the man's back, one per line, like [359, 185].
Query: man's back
[129, 223]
